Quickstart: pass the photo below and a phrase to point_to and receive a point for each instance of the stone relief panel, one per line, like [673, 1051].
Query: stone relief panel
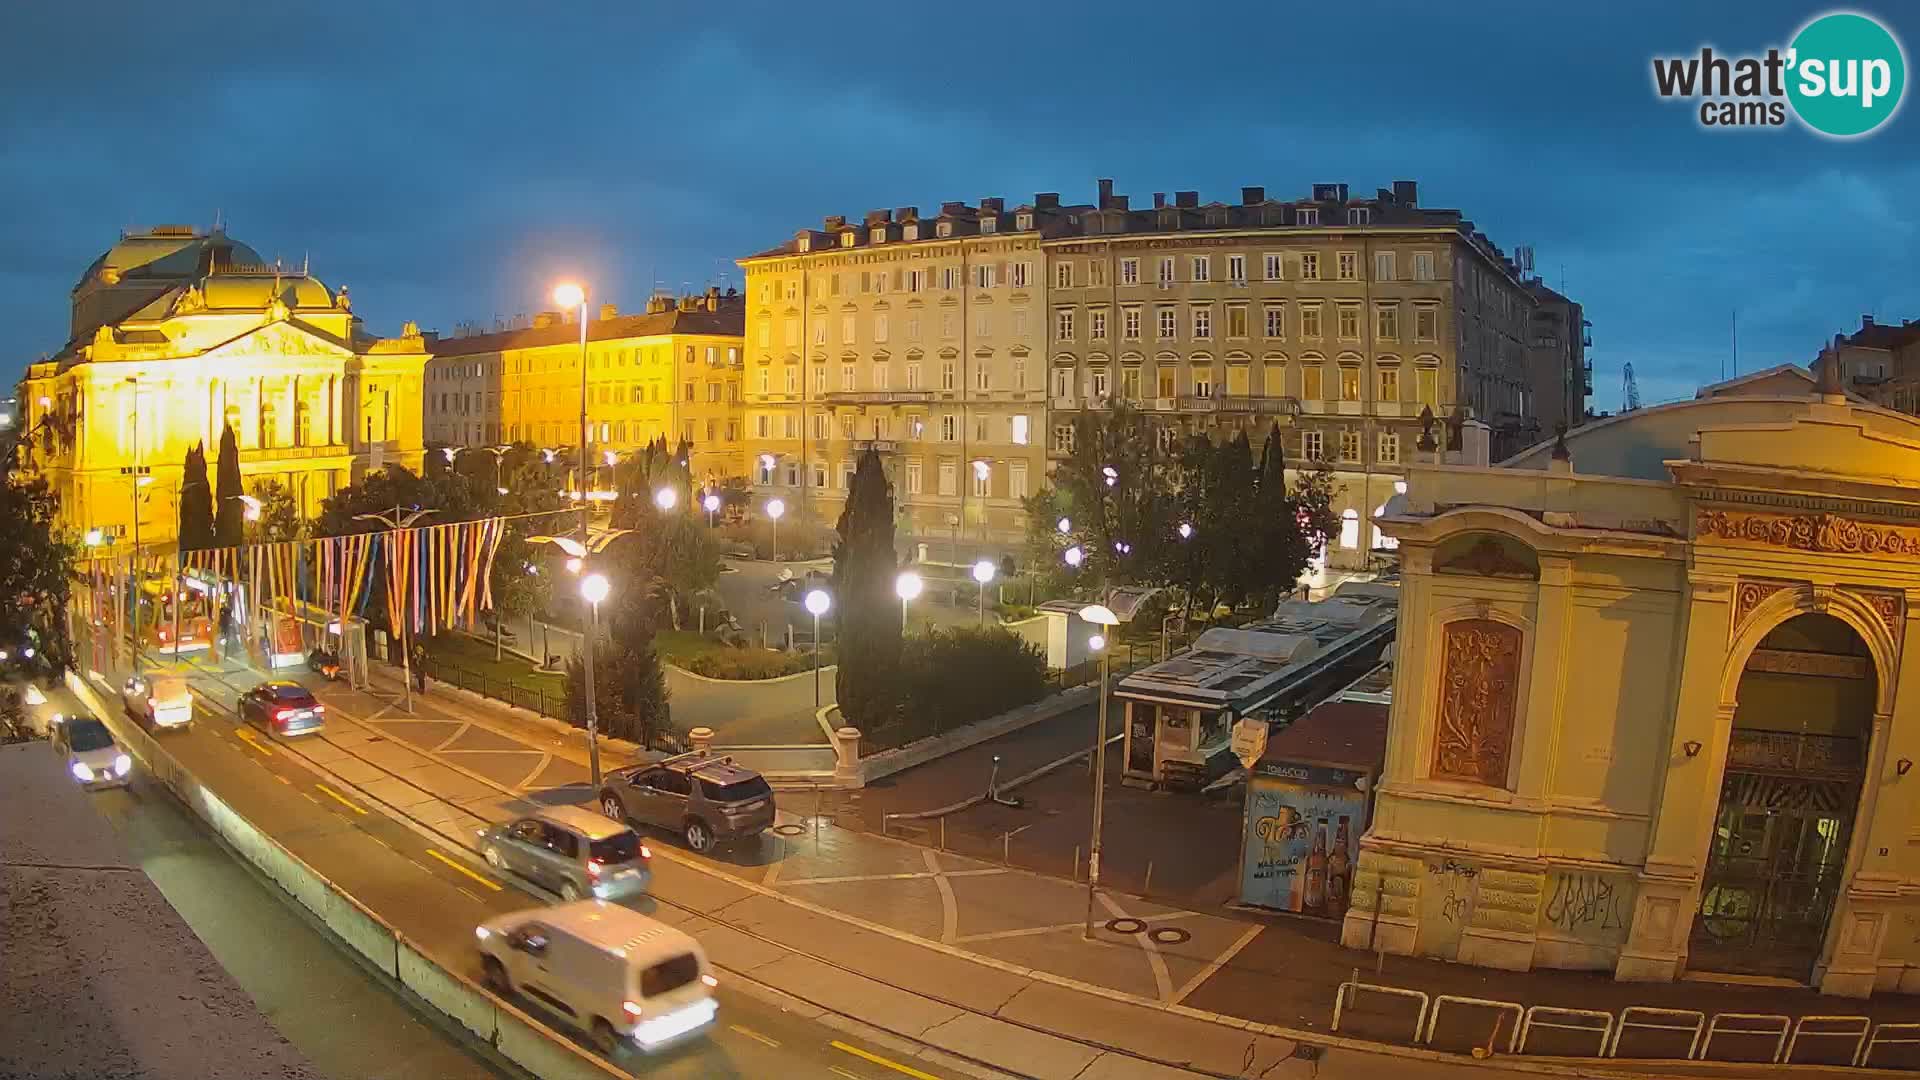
[1824, 533]
[1479, 691]
[1747, 596]
[1508, 900]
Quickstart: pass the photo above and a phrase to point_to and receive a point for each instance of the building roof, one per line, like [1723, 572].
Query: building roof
[168, 252]
[730, 320]
[589, 824]
[1347, 734]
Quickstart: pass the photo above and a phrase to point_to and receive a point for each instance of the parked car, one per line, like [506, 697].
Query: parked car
[619, 976]
[285, 707]
[159, 701]
[571, 851]
[91, 755]
[705, 799]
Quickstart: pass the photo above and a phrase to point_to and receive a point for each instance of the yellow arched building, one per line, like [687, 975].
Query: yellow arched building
[176, 334]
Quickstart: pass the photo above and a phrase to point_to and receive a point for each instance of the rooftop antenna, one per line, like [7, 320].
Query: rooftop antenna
[1736, 342]
[1630, 390]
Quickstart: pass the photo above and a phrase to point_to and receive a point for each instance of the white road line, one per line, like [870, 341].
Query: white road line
[949, 908]
[1161, 980]
[752, 1034]
[1218, 962]
[912, 875]
[545, 757]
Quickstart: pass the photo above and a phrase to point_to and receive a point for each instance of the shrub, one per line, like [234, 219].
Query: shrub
[958, 676]
[749, 664]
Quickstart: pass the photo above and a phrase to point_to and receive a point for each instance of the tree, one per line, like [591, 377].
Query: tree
[36, 573]
[196, 503]
[280, 518]
[867, 610]
[1115, 495]
[630, 686]
[229, 516]
[1276, 517]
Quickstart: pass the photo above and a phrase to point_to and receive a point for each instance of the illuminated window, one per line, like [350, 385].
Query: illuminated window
[1349, 529]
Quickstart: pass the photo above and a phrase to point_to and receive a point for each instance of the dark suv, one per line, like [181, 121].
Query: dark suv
[708, 800]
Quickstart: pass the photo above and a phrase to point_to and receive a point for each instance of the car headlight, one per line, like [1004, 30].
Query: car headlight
[81, 772]
[121, 764]
[482, 933]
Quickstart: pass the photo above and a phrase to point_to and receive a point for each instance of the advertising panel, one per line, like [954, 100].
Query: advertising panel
[1302, 837]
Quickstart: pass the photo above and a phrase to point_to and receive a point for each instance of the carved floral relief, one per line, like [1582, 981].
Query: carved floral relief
[1826, 533]
[1479, 691]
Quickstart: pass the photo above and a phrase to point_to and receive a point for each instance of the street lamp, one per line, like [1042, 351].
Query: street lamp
[593, 589]
[665, 498]
[983, 573]
[1064, 526]
[817, 603]
[712, 505]
[1075, 556]
[774, 509]
[906, 587]
[1112, 475]
[567, 294]
[1103, 617]
[1186, 530]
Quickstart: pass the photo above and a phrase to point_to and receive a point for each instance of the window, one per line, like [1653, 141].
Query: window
[1063, 438]
[1202, 324]
[820, 332]
[1019, 322]
[1130, 324]
[820, 474]
[1349, 446]
[1426, 322]
[1423, 266]
[982, 479]
[947, 325]
[1019, 274]
[946, 376]
[793, 290]
[913, 476]
[792, 333]
[982, 375]
[1383, 266]
[1063, 383]
[882, 428]
[1276, 322]
[1203, 382]
[766, 333]
[760, 426]
[1389, 384]
[1349, 266]
[879, 328]
[1166, 270]
[1017, 429]
[949, 275]
[879, 375]
[1236, 320]
[949, 428]
[1312, 380]
[1167, 327]
[1063, 275]
[1349, 527]
[947, 477]
[1129, 271]
[1166, 438]
[846, 426]
[1202, 268]
[1023, 221]
[1273, 266]
[847, 335]
[687, 392]
[1312, 447]
[793, 425]
[1019, 374]
[1063, 325]
[983, 324]
[1017, 480]
[1386, 322]
[819, 380]
[1166, 381]
[713, 392]
[1349, 322]
[1130, 383]
[1309, 266]
[733, 431]
[1237, 269]
[1428, 382]
[1388, 449]
[765, 378]
[793, 379]
[913, 374]
[1096, 272]
[1098, 383]
[1310, 321]
[983, 276]
[1097, 324]
[1359, 215]
[1349, 383]
[1307, 215]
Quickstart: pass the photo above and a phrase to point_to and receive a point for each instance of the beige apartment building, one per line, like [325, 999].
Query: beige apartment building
[672, 371]
[1340, 318]
[921, 337]
[1880, 363]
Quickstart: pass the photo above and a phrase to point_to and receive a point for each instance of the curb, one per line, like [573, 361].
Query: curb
[824, 669]
[1024, 778]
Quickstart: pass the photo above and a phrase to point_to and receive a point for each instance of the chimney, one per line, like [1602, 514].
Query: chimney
[834, 222]
[907, 213]
[1120, 202]
[544, 319]
[1159, 200]
[1866, 321]
[608, 312]
[1406, 192]
[1252, 196]
[1106, 193]
[1562, 458]
[992, 206]
[1047, 200]
[878, 217]
[1186, 200]
[951, 209]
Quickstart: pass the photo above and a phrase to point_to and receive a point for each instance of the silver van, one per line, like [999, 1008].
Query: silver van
[570, 851]
[613, 973]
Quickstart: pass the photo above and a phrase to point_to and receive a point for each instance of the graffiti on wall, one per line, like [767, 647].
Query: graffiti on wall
[1446, 906]
[1588, 906]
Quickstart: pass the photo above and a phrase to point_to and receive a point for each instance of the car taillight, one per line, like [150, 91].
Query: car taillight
[280, 715]
[632, 1008]
[646, 852]
[318, 709]
[593, 868]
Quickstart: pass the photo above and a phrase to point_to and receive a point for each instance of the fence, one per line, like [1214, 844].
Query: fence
[534, 697]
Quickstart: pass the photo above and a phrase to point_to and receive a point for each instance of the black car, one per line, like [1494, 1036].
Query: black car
[286, 708]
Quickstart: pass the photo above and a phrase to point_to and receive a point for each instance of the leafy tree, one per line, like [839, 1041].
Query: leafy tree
[864, 563]
[196, 503]
[630, 687]
[36, 573]
[280, 518]
[1114, 493]
[229, 513]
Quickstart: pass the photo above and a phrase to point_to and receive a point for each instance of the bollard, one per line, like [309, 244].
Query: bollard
[943, 834]
[702, 739]
[1076, 862]
[1148, 887]
[846, 762]
[1006, 848]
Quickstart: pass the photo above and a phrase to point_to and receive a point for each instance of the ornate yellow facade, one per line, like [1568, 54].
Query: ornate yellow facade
[1652, 710]
[177, 334]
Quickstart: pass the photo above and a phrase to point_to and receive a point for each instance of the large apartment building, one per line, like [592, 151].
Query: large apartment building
[1880, 362]
[1557, 366]
[673, 371]
[921, 337]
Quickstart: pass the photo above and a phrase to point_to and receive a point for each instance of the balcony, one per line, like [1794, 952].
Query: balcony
[1256, 403]
[878, 397]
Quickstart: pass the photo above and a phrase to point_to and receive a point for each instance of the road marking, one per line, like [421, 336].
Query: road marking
[838, 1071]
[308, 795]
[339, 798]
[469, 894]
[905, 1070]
[248, 737]
[283, 779]
[752, 1034]
[949, 909]
[908, 876]
[484, 881]
[379, 841]
[1163, 982]
[1218, 962]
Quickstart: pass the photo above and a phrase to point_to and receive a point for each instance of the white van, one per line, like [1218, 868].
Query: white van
[610, 971]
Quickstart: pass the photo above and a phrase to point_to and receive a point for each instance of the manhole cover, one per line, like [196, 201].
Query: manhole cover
[1126, 925]
[790, 830]
[1169, 935]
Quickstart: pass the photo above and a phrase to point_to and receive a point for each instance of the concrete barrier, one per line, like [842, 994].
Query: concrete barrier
[529, 1044]
[363, 930]
[468, 1004]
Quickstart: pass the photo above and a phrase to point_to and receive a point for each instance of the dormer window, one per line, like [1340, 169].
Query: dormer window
[988, 223]
[1307, 215]
[877, 235]
[805, 242]
[910, 232]
[1023, 222]
[943, 229]
[1359, 215]
[847, 238]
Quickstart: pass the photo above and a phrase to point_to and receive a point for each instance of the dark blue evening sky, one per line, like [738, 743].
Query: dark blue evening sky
[449, 161]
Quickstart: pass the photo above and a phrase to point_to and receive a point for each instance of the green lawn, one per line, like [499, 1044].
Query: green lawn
[459, 650]
[704, 656]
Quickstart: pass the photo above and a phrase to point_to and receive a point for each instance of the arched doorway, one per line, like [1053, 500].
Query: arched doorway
[1795, 762]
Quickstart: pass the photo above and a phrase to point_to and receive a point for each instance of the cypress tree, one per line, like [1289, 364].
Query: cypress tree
[229, 513]
[196, 503]
[866, 609]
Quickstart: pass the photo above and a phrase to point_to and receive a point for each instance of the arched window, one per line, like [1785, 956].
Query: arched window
[1350, 528]
[1381, 541]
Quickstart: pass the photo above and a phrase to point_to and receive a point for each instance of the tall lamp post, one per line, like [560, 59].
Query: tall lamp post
[817, 604]
[906, 587]
[711, 504]
[593, 589]
[569, 295]
[983, 572]
[665, 498]
[1103, 617]
[395, 522]
[774, 509]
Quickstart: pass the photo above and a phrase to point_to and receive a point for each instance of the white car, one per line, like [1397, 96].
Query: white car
[159, 701]
[621, 977]
[91, 755]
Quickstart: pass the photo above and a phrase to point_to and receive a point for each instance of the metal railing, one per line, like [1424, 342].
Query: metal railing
[535, 697]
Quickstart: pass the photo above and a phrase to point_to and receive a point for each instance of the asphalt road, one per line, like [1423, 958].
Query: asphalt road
[435, 899]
